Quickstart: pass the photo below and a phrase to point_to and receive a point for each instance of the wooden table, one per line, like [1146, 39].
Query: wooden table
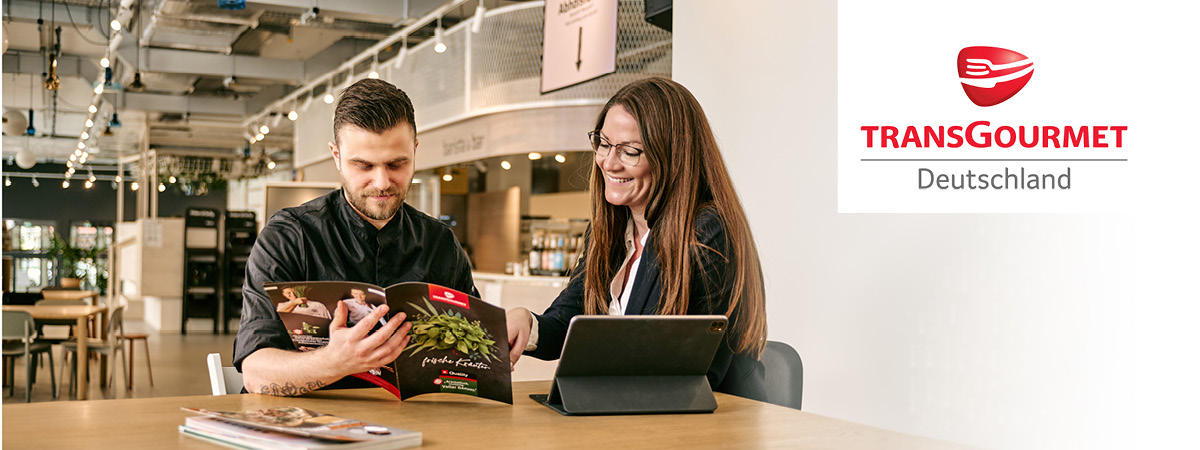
[453, 422]
[92, 297]
[80, 314]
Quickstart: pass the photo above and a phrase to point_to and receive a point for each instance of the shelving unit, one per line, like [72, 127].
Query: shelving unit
[201, 267]
[240, 231]
[552, 246]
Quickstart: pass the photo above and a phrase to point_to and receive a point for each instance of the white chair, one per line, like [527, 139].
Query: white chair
[113, 342]
[225, 380]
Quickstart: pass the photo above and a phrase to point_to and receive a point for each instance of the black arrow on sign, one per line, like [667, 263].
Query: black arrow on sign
[579, 52]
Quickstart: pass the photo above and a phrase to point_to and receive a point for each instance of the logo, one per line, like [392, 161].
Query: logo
[449, 296]
[991, 75]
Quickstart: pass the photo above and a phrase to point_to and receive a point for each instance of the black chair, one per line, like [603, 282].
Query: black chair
[784, 374]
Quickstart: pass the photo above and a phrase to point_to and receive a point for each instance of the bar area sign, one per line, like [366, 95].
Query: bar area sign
[579, 42]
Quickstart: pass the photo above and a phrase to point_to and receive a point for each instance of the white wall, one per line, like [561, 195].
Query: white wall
[1014, 331]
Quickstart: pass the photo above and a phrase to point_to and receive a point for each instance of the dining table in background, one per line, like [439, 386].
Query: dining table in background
[79, 313]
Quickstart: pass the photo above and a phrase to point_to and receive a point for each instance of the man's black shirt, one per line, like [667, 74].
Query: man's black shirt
[326, 240]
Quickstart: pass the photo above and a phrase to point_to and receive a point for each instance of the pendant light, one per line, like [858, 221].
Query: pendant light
[136, 85]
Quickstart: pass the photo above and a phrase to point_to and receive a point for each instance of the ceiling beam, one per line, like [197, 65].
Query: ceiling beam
[27, 11]
[376, 11]
[178, 104]
[86, 67]
[212, 64]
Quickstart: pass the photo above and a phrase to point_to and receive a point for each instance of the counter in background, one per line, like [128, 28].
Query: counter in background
[532, 292]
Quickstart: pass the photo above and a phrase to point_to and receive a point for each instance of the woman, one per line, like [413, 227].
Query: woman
[668, 235]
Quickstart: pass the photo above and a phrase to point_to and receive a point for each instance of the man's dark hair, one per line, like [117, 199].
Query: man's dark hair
[373, 105]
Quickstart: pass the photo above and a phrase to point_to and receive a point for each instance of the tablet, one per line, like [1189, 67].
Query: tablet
[636, 365]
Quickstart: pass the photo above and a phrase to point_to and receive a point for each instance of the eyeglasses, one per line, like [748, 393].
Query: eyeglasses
[628, 154]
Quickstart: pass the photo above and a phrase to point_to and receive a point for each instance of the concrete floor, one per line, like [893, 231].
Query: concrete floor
[178, 362]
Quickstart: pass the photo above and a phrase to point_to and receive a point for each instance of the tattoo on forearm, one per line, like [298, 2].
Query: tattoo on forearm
[290, 389]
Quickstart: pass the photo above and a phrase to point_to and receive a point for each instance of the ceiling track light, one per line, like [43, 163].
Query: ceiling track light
[432, 18]
[92, 108]
[104, 62]
[477, 23]
[439, 45]
[308, 101]
[399, 60]
[292, 116]
[264, 129]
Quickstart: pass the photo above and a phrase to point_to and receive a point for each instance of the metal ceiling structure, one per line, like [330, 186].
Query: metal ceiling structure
[205, 69]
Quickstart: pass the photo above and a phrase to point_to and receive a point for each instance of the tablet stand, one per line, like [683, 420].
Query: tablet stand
[631, 394]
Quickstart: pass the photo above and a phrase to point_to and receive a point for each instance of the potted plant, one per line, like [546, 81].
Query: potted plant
[70, 272]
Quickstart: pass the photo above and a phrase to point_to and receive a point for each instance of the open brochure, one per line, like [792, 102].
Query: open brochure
[293, 428]
[458, 343]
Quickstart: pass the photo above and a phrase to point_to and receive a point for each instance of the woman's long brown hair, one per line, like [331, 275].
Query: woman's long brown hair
[689, 175]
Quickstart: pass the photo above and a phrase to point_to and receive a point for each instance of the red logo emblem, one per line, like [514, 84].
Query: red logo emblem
[450, 296]
[991, 75]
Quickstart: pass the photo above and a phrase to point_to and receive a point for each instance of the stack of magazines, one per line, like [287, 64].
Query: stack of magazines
[290, 427]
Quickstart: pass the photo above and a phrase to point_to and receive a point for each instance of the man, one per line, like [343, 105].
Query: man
[301, 305]
[358, 307]
[361, 232]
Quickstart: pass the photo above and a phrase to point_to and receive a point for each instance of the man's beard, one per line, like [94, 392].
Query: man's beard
[372, 209]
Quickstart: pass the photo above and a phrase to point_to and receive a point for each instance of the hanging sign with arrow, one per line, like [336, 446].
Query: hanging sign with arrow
[579, 42]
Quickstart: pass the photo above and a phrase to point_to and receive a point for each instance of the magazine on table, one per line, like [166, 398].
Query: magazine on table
[291, 427]
[458, 343]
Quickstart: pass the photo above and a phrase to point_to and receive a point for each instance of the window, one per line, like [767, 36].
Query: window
[27, 242]
[29, 235]
[85, 234]
[32, 273]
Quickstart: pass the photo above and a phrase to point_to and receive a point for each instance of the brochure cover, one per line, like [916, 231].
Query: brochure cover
[293, 428]
[458, 343]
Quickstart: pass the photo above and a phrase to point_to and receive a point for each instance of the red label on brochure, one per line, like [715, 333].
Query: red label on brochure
[449, 296]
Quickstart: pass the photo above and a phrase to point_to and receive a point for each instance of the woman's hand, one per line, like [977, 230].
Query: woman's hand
[520, 322]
